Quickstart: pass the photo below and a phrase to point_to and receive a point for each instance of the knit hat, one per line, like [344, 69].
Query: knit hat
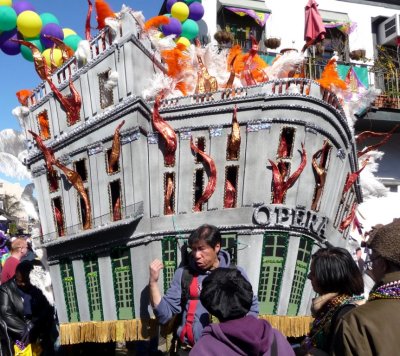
[226, 294]
[385, 240]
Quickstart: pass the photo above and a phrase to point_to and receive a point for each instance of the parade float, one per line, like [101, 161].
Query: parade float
[136, 140]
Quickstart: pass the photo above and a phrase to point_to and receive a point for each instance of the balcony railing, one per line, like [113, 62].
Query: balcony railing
[129, 212]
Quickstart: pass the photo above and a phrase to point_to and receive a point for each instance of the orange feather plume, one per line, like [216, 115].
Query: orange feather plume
[330, 77]
[156, 21]
[103, 11]
[235, 59]
[23, 96]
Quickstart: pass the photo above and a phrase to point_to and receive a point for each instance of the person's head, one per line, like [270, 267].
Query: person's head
[333, 270]
[205, 243]
[384, 242]
[358, 253]
[22, 275]
[19, 248]
[226, 294]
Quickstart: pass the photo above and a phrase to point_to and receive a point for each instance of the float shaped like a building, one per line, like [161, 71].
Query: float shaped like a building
[146, 198]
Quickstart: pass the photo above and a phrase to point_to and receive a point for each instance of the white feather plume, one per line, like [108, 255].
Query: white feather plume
[11, 166]
[21, 113]
[82, 54]
[285, 64]
[370, 185]
[112, 80]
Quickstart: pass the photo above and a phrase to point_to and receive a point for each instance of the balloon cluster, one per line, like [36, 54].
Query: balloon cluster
[20, 21]
[183, 15]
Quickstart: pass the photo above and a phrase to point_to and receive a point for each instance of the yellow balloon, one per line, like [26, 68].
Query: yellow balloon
[184, 41]
[180, 11]
[57, 56]
[29, 23]
[68, 31]
[5, 2]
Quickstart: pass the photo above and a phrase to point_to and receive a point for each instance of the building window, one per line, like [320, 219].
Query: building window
[229, 244]
[201, 145]
[231, 183]
[106, 92]
[115, 199]
[80, 168]
[44, 125]
[300, 274]
[198, 186]
[52, 181]
[169, 259]
[68, 282]
[115, 167]
[82, 208]
[93, 288]
[285, 149]
[272, 264]
[123, 283]
[169, 193]
[58, 215]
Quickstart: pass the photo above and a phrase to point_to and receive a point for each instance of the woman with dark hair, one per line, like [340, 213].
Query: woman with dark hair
[338, 281]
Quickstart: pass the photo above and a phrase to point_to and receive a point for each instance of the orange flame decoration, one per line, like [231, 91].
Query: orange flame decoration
[167, 132]
[155, 22]
[88, 36]
[320, 171]
[115, 148]
[230, 193]
[330, 77]
[351, 178]
[75, 179]
[47, 153]
[348, 219]
[253, 66]
[103, 11]
[212, 178]
[23, 96]
[280, 186]
[168, 197]
[234, 137]
[368, 134]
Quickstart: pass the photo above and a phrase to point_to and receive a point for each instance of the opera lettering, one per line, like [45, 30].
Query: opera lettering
[297, 218]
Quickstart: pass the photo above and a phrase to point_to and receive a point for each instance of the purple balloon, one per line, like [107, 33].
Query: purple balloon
[196, 11]
[10, 47]
[173, 28]
[22, 6]
[169, 4]
[6, 35]
[51, 29]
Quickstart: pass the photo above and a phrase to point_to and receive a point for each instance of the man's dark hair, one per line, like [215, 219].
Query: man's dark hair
[358, 249]
[226, 294]
[209, 233]
[335, 271]
[24, 268]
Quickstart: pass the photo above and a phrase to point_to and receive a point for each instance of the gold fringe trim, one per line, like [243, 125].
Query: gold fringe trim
[137, 329]
[108, 331]
[290, 326]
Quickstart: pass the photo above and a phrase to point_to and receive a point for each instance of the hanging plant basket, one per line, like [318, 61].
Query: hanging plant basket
[223, 37]
[357, 54]
[272, 42]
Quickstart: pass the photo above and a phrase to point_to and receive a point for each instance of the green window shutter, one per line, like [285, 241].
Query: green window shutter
[271, 271]
[68, 282]
[300, 274]
[169, 259]
[92, 276]
[123, 283]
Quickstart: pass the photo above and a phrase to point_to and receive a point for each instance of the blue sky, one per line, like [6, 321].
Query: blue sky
[16, 73]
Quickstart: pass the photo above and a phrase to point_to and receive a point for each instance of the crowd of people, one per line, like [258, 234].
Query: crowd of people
[214, 311]
[346, 322]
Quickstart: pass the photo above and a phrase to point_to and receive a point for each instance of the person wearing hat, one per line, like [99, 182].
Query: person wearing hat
[372, 329]
[227, 295]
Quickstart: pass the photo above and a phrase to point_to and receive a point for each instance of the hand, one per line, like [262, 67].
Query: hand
[155, 267]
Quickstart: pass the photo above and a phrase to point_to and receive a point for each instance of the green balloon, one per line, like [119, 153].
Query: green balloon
[26, 52]
[72, 41]
[190, 29]
[8, 18]
[48, 18]
[188, 2]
